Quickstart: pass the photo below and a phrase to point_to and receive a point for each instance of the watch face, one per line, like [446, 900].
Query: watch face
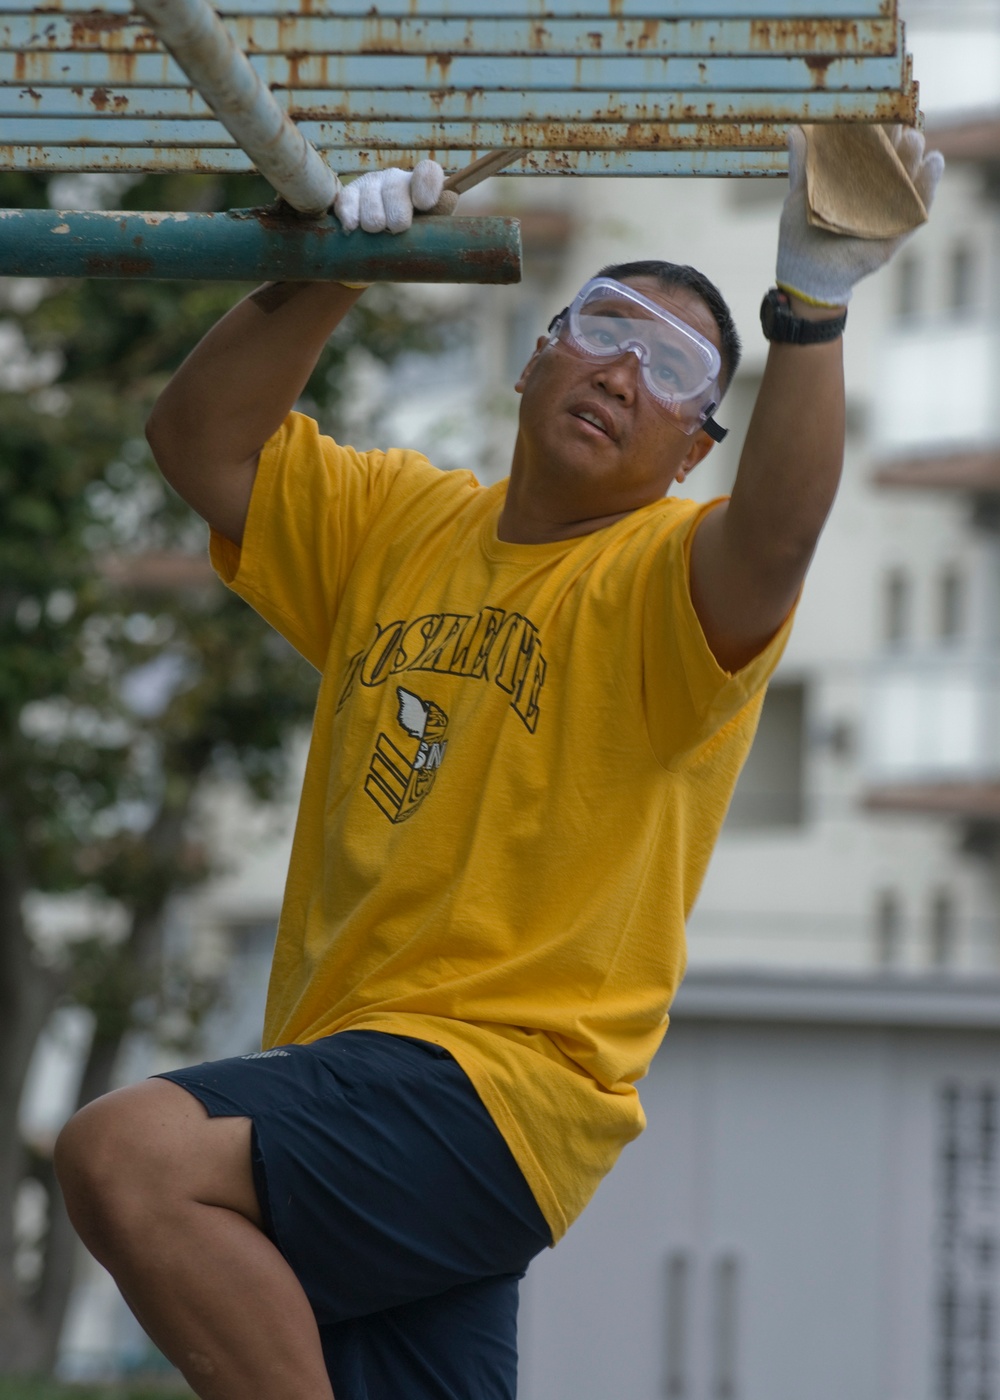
[770, 315]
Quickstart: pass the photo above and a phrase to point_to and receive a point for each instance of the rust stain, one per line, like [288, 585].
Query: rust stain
[303, 69]
[440, 61]
[595, 38]
[286, 30]
[86, 29]
[121, 67]
[280, 217]
[649, 34]
[30, 92]
[99, 99]
[48, 34]
[295, 58]
[118, 265]
[387, 35]
[818, 65]
[20, 66]
[802, 36]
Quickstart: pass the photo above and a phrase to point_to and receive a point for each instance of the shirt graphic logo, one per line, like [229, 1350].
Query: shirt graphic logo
[397, 784]
[501, 648]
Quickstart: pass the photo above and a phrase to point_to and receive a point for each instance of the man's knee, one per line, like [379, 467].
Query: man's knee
[107, 1161]
[136, 1154]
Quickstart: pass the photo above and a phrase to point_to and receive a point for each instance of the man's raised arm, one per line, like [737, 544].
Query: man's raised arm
[235, 390]
[749, 556]
[241, 381]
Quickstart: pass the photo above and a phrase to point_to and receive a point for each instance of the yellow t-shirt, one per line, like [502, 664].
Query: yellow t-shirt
[520, 761]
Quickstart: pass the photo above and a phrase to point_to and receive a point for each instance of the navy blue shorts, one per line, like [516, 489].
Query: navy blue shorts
[388, 1188]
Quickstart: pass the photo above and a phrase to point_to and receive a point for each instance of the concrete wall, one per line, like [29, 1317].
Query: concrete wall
[808, 1164]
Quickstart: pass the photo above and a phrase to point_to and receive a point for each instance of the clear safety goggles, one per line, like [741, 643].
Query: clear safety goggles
[679, 368]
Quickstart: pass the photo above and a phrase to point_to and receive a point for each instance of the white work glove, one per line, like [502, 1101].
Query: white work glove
[386, 199]
[822, 267]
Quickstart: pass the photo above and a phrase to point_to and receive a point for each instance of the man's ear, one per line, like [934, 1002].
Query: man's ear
[701, 446]
[540, 345]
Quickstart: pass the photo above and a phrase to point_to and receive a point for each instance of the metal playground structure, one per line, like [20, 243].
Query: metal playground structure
[313, 90]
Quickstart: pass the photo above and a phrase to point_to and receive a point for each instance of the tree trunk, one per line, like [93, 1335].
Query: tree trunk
[27, 995]
[143, 945]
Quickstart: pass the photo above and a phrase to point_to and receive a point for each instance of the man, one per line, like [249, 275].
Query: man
[536, 699]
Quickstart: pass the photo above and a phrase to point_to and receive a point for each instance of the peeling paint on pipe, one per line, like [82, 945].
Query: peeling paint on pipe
[251, 245]
[205, 50]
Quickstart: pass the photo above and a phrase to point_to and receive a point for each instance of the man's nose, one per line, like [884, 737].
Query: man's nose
[620, 376]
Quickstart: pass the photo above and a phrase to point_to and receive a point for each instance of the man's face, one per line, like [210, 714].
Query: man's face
[633, 453]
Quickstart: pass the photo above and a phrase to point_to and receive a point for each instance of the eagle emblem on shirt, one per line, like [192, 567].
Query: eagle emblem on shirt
[397, 782]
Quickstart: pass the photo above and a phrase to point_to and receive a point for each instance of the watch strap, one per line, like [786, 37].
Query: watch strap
[780, 324]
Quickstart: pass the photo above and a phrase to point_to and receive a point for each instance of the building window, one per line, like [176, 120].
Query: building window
[896, 607]
[907, 288]
[967, 1234]
[961, 288]
[943, 928]
[888, 928]
[725, 1327]
[771, 788]
[676, 1378]
[951, 605]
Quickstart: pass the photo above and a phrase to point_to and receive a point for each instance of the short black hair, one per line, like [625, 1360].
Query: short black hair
[670, 274]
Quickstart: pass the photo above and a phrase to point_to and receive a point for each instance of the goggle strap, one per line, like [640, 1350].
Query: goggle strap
[714, 431]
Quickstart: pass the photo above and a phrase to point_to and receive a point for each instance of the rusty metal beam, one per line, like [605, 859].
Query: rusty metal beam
[437, 137]
[253, 245]
[155, 160]
[656, 72]
[555, 9]
[314, 105]
[525, 36]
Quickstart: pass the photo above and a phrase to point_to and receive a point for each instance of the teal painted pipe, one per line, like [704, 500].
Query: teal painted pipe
[254, 245]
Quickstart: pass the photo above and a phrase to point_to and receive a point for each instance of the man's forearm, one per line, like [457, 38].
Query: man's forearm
[239, 383]
[749, 557]
[793, 455]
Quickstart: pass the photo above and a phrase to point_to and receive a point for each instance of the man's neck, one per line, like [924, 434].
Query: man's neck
[531, 516]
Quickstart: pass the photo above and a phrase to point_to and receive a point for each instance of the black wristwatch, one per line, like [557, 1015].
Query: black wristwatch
[780, 323]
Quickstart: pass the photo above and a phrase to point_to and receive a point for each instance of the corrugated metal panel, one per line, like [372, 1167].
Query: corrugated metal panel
[613, 88]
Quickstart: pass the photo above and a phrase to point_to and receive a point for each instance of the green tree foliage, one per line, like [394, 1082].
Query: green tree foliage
[129, 677]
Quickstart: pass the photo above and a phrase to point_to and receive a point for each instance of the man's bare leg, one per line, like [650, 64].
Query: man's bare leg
[163, 1196]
